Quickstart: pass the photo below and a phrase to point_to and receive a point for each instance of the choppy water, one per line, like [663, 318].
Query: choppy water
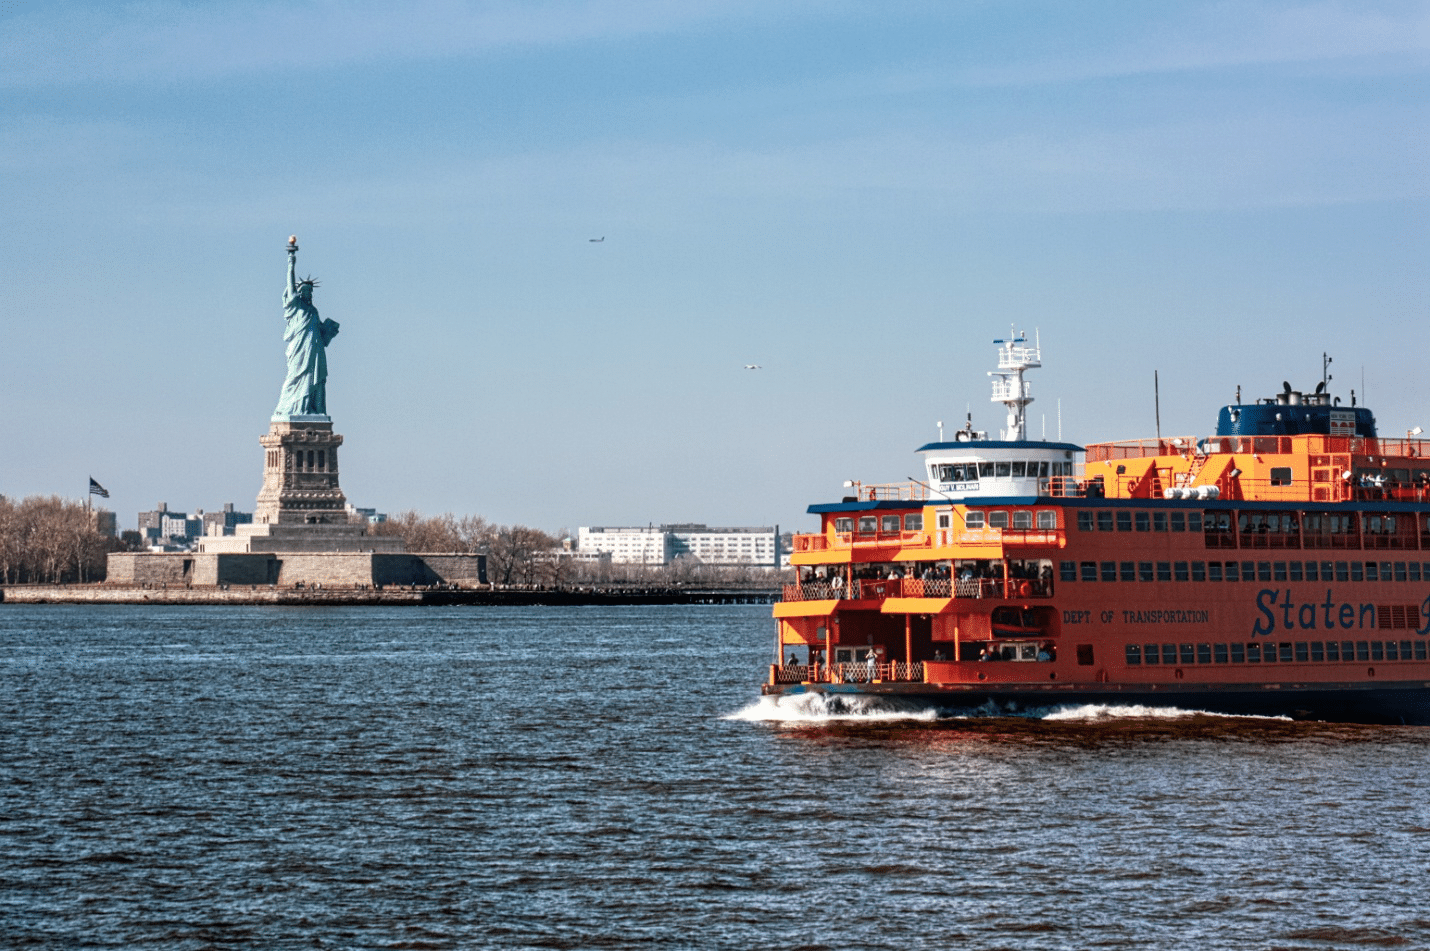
[606, 778]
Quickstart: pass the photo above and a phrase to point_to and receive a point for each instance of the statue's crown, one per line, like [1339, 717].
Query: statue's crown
[310, 281]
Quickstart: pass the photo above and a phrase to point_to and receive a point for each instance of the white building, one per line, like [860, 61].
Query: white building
[660, 546]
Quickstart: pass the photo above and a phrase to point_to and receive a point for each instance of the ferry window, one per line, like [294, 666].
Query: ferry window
[1084, 521]
[1089, 570]
[973, 520]
[1318, 652]
[985, 470]
[1152, 653]
[1311, 574]
[1169, 653]
[1047, 519]
[1220, 653]
[1128, 570]
[1204, 653]
[1263, 571]
[1213, 571]
[1104, 521]
[1372, 571]
[914, 523]
[1109, 571]
[1188, 654]
[1392, 651]
[1042, 469]
[1333, 651]
[1233, 571]
[1400, 571]
[970, 473]
[1179, 521]
[1295, 567]
[1199, 571]
[1134, 655]
[1180, 569]
[1357, 571]
[868, 524]
[1002, 470]
[844, 524]
[1280, 475]
[1194, 521]
[1247, 570]
[1377, 650]
[1084, 655]
[997, 519]
[1404, 650]
[1253, 653]
[1238, 653]
[1143, 521]
[1144, 571]
[1419, 650]
[1362, 650]
[1326, 571]
[1424, 571]
[1124, 521]
[1020, 469]
[1067, 571]
[944, 520]
[1159, 521]
[1278, 571]
[1023, 520]
[1285, 652]
[889, 524]
[1301, 654]
[1385, 572]
[1164, 571]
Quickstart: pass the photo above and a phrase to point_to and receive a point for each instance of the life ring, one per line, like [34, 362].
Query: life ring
[1024, 589]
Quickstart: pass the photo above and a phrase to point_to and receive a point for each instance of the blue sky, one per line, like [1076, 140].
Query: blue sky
[859, 197]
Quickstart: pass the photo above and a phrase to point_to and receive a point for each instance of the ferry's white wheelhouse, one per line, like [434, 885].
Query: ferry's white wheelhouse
[990, 468]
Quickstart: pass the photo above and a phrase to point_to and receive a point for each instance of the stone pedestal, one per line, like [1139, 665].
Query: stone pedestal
[300, 474]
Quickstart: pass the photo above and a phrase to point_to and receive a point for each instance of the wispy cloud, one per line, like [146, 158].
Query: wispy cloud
[165, 41]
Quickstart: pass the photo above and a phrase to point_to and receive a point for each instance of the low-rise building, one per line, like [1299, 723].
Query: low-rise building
[651, 545]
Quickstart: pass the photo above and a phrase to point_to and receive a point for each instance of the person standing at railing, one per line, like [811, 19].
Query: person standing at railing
[871, 662]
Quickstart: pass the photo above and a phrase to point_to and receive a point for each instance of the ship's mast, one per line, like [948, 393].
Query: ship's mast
[1009, 387]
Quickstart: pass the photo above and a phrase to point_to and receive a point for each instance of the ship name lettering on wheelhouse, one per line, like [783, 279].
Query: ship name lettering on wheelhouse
[1279, 609]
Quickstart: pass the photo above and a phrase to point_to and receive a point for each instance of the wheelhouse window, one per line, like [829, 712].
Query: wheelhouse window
[844, 524]
[889, 524]
[973, 519]
[1020, 469]
[914, 522]
[1047, 519]
[1002, 470]
[1023, 520]
[868, 524]
[998, 519]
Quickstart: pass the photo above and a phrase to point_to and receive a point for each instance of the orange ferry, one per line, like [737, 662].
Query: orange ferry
[1278, 567]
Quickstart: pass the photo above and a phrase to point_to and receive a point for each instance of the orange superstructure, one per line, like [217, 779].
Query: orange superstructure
[1281, 566]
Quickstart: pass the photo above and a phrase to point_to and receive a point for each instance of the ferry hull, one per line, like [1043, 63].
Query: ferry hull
[1405, 703]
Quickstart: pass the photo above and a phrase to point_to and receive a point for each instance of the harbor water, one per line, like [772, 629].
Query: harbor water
[191, 777]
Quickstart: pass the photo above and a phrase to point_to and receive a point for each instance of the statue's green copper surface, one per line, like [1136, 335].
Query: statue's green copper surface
[305, 388]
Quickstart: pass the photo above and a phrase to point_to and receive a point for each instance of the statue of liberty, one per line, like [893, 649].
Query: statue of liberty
[306, 338]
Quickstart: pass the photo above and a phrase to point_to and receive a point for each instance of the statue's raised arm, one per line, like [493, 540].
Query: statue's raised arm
[306, 338]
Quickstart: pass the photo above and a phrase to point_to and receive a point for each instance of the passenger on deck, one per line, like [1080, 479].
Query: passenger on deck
[1045, 652]
[871, 661]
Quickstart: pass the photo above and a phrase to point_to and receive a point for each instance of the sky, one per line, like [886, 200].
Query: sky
[857, 197]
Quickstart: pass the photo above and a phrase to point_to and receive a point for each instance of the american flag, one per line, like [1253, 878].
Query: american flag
[96, 489]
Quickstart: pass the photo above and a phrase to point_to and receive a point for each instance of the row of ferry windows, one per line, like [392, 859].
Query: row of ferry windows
[1247, 523]
[889, 524]
[1012, 469]
[1286, 652]
[1244, 571]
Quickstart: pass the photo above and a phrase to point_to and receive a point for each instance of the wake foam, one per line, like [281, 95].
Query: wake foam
[826, 708]
[1136, 711]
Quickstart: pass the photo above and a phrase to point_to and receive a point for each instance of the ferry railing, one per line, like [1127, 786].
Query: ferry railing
[1410, 448]
[889, 491]
[841, 540]
[791, 673]
[879, 589]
